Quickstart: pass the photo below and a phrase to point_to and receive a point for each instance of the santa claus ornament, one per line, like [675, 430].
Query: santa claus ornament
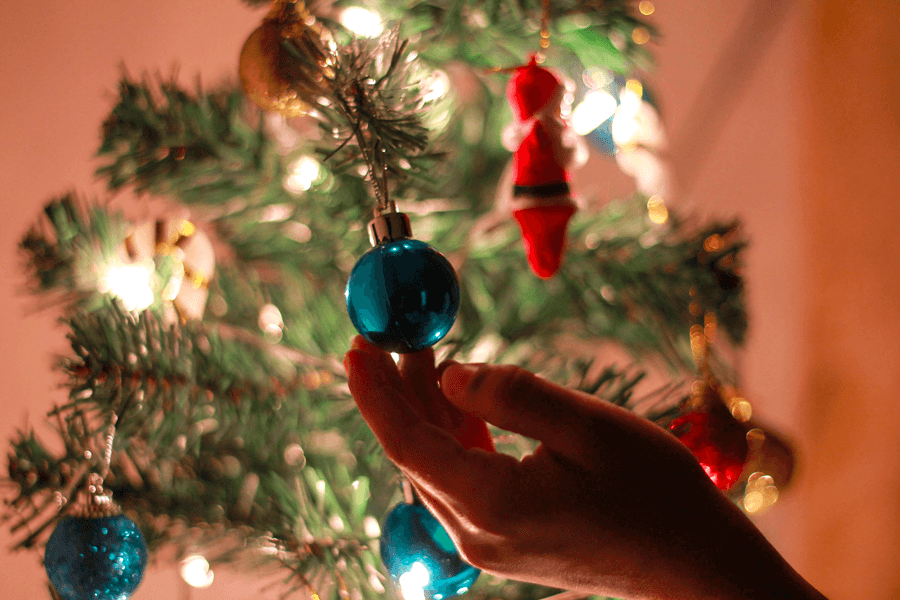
[544, 148]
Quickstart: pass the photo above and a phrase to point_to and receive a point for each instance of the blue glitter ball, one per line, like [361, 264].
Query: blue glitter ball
[96, 558]
[403, 296]
[418, 553]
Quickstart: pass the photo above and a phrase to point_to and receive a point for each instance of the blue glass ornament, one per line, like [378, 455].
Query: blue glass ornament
[96, 558]
[418, 553]
[403, 295]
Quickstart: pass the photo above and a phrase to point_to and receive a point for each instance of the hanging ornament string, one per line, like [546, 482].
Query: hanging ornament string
[545, 30]
[108, 446]
[544, 43]
[96, 552]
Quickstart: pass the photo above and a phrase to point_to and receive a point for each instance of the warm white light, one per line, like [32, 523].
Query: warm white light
[596, 107]
[413, 582]
[130, 284]
[436, 87]
[395, 356]
[196, 572]
[361, 22]
[304, 172]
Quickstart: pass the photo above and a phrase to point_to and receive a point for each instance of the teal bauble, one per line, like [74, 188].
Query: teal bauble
[96, 558]
[403, 295]
[418, 554]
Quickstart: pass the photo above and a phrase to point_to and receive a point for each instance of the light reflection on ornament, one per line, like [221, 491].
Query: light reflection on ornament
[361, 21]
[130, 284]
[413, 582]
[196, 572]
[646, 7]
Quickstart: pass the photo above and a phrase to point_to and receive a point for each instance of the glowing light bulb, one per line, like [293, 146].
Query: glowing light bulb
[361, 21]
[640, 35]
[196, 572]
[304, 173]
[657, 211]
[596, 108]
[130, 284]
[436, 87]
[413, 582]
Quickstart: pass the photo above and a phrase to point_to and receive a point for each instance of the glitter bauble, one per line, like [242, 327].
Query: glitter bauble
[717, 439]
[96, 558]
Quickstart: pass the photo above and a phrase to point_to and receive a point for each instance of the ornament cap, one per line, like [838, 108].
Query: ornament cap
[389, 225]
[94, 501]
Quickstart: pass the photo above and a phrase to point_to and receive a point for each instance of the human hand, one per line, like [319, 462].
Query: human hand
[609, 503]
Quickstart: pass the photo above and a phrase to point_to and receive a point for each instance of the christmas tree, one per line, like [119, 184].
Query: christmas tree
[204, 374]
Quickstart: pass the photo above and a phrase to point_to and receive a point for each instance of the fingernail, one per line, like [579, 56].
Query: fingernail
[457, 378]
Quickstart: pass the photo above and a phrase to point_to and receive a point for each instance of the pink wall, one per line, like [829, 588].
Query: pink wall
[822, 248]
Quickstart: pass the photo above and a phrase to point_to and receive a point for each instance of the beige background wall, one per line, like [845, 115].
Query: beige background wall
[805, 153]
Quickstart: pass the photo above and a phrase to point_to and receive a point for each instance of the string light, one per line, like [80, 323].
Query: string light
[596, 107]
[304, 172]
[129, 283]
[646, 7]
[656, 210]
[640, 35]
[196, 572]
[361, 21]
[760, 494]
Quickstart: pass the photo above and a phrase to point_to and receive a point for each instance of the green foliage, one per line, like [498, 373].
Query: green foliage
[243, 440]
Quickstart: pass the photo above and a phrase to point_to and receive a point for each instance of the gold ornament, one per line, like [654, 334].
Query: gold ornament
[284, 64]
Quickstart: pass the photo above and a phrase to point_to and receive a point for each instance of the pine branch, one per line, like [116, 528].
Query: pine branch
[199, 147]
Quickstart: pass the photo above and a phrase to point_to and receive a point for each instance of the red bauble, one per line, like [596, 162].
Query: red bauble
[717, 439]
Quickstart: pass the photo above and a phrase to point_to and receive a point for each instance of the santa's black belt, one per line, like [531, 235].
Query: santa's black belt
[541, 191]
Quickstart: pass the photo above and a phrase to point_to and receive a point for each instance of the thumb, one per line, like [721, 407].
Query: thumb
[517, 400]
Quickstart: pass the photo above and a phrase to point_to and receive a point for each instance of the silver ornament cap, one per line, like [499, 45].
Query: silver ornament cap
[389, 225]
